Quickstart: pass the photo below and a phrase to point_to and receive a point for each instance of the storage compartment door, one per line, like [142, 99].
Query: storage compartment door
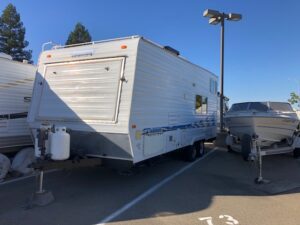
[154, 144]
[82, 90]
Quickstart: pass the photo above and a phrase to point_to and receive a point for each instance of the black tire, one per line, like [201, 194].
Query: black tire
[200, 149]
[190, 153]
[229, 149]
[297, 153]
[246, 143]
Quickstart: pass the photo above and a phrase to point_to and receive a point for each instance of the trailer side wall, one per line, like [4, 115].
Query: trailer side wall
[163, 114]
[16, 83]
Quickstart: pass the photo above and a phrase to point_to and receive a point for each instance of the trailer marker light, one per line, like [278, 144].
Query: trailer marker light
[133, 126]
[138, 135]
[48, 56]
[123, 46]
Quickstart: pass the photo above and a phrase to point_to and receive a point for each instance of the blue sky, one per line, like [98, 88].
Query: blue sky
[262, 52]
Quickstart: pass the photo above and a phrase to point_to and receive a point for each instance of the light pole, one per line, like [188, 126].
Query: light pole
[216, 17]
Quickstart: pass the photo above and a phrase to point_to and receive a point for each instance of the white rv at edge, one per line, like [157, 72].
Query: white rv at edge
[16, 83]
[126, 99]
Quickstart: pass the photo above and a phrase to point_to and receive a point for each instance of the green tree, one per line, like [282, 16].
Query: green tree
[12, 35]
[295, 99]
[79, 35]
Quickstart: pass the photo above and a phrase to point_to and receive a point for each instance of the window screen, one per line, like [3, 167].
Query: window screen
[198, 103]
[216, 87]
[201, 104]
[211, 86]
[204, 105]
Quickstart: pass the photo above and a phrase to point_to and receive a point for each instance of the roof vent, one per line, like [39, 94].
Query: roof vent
[5, 56]
[172, 50]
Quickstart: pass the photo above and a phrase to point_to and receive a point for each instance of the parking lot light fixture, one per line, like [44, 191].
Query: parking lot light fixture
[216, 17]
[234, 16]
[211, 13]
[213, 21]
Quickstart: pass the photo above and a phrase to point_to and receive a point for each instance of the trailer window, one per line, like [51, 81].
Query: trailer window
[201, 104]
[204, 106]
[213, 86]
[216, 87]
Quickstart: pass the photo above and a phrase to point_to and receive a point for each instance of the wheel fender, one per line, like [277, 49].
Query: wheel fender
[296, 143]
[193, 141]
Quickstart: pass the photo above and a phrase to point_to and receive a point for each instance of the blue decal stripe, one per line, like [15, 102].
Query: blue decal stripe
[208, 122]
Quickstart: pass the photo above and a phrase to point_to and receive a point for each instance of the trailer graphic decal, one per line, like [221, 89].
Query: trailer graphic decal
[210, 121]
[13, 116]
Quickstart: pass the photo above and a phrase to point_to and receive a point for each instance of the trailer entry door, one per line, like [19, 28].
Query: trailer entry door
[82, 90]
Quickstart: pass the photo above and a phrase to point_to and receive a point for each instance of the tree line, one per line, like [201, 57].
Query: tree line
[12, 35]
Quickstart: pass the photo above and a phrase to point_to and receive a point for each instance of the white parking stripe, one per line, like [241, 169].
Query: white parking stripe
[150, 191]
[25, 177]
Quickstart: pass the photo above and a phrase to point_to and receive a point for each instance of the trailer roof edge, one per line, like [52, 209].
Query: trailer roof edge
[56, 47]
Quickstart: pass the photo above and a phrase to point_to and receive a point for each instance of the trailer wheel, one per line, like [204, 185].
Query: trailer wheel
[4, 166]
[297, 153]
[22, 160]
[229, 149]
[190, 153]
[246, 143]
[200, 148]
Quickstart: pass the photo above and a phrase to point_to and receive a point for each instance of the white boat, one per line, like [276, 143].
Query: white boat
[269, 122]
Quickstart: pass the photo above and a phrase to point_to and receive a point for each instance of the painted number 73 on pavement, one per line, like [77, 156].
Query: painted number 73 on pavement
[228, 220]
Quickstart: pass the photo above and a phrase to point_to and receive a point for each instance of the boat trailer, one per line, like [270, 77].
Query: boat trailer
[252, 149]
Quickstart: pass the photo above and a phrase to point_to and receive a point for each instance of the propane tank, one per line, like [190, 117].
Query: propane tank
[60, 144]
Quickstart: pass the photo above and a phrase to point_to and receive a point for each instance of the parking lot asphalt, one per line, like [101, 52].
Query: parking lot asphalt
[215, 190]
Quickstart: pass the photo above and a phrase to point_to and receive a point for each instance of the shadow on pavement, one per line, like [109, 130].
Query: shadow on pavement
[86, 196]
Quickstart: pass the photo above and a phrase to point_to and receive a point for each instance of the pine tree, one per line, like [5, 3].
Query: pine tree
[79, 35]
[12, 35]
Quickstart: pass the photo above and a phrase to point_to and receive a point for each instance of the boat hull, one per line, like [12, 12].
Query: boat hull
[268, 129]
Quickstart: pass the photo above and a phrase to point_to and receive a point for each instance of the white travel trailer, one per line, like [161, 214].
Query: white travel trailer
[16, 83]
[127, 99]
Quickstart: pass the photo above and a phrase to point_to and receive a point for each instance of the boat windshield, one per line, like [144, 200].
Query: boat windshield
[281, 106]
[259, 106]
[262, 106]
[239, 107]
